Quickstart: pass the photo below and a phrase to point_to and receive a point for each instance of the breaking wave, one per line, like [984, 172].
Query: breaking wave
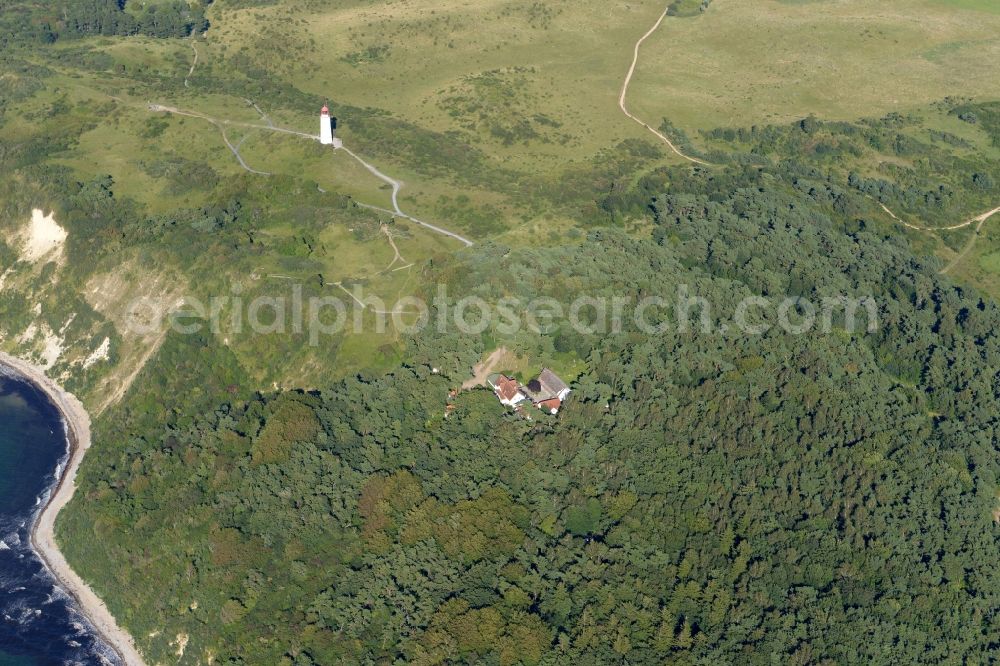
[38, 619]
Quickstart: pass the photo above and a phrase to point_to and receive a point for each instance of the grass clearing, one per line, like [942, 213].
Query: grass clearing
[497, 73]
[495, 113]
[741, 64]
[975, 5]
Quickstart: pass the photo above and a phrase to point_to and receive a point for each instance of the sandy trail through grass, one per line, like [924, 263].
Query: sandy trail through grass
[396, 187]
[395, 184]
[981, 220]
[624, 92]
[194, 64]
[961, 225]
[239, 158]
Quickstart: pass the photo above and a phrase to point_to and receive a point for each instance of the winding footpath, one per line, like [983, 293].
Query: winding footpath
[43, 538]
[624, 92]
[271, 127]
[980, 221]
[239, 158]
[194, 64]
[228, 123]
[979, 218]
[396, 187]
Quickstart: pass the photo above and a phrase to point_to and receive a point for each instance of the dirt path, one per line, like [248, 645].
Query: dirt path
[624, 92]
[43, 539]
[399, 255]
[395, 184]
[462, 239]
[194, 64]
[396, 187]
[162, 108]
[483, 370]
[980, 221]
[221, 125]
[263, 116]
[239, 158]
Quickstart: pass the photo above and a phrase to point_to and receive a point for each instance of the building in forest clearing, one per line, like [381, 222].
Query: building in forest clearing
[507, 389]
[547, 392]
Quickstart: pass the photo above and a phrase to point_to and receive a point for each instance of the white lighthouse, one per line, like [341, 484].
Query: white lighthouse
[325, 128]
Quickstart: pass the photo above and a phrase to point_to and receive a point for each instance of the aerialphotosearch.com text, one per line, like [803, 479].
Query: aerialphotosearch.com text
[294, 312]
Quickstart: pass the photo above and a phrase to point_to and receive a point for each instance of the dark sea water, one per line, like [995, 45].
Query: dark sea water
[39, 622]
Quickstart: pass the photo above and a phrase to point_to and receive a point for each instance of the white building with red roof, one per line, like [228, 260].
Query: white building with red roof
[547, 393]
[325, 127]
[508, 389]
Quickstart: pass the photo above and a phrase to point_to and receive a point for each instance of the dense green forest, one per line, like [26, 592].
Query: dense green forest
[823, 498]
[926, 174]
[27, 21]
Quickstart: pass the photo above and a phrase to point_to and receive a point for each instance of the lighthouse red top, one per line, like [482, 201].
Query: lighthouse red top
[325, 111]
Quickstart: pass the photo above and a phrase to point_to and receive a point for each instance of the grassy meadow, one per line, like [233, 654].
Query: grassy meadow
[534, 86]
[778, 61]
[499, 72]
[499, 117]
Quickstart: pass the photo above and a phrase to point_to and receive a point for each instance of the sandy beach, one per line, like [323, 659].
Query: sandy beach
[43, 534]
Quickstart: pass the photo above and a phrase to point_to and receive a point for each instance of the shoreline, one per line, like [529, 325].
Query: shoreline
[43, 541]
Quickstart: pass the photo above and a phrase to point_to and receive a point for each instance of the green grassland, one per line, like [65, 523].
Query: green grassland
[500, 118]
[977, 5]
[774, 62]
[529, 91]
[533, 84]
[513, 67]
[533, 87]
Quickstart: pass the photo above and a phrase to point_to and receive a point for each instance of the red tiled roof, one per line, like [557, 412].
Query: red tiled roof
[507, 388]
[551, 405]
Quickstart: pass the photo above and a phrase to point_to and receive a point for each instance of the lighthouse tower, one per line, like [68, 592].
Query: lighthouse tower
[325, 129]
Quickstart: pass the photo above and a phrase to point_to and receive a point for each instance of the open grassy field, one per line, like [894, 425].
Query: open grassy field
[499, 117]
[777, 61]
[536, 84]
[533, 87]
[977, 5]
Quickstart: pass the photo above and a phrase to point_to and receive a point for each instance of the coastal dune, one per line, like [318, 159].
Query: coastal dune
[43, 533]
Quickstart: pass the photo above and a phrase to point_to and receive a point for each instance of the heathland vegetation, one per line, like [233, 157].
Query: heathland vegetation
[703, 498]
